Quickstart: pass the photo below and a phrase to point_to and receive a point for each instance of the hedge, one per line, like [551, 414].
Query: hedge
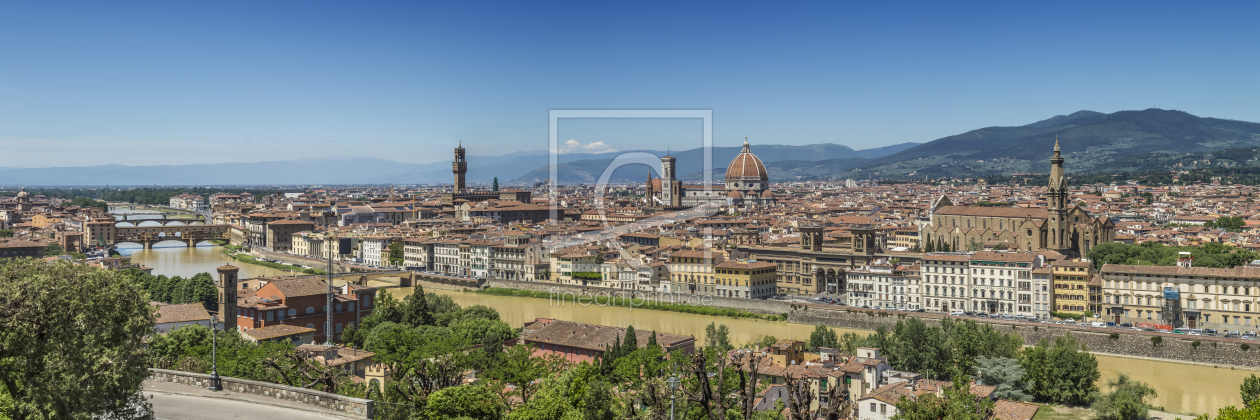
[638, 303]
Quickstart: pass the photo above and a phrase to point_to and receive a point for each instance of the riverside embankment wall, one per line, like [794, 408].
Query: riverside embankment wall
[1173, 347]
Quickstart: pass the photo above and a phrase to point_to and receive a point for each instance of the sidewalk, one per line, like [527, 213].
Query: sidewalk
[194, 391]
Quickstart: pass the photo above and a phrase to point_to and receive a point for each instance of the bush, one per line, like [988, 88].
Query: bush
[1195, 344]
[638, 303]
[1114, 336]
[1156, 340]
[1244, 346]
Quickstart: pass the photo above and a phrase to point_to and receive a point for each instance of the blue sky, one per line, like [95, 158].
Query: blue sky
[162, 82]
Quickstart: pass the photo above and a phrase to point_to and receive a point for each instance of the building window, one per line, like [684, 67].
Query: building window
[271, 315]
[310, 310]
[293, 312]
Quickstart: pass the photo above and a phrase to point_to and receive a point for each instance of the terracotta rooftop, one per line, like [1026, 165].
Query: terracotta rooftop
[276, 331]
[591, 336]
[188, 312]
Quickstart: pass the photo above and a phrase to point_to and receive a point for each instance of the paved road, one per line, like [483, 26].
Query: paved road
[179, 402]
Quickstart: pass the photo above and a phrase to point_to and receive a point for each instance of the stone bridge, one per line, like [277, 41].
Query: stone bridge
[150, 235]
[163, 221]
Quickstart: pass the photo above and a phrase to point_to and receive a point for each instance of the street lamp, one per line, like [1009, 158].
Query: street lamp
[216, 384]
[673, 386]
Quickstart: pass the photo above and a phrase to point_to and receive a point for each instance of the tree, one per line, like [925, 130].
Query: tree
[598, 402]
[631, 343]
[1004, 373]
[491, 349]
[956, 403]
[53, 249]
[718, 337]
[72, 341]
[652, 340]
[415, 311]
[767, 341]
[1064, 372]
[494, 186]
[6, 233]
[1251, 390]
[1126, 401]
[474, 401]
[201, 288]
[1250, 412]
[823, 337]
[519, 367]
[396, 251]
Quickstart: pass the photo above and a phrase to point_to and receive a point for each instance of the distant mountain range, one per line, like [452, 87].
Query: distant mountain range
[481, 169]
[1091, 142]
[780, 162]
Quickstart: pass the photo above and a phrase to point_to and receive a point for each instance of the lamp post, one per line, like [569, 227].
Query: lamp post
[673, 386]
[216, 384]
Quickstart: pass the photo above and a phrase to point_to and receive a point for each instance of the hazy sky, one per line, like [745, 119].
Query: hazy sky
[165, 82]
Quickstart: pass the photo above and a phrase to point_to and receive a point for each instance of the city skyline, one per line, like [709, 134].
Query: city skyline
[139, 84]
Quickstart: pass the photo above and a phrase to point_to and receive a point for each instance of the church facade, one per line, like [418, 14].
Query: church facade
[747, 184]
[1060, 226]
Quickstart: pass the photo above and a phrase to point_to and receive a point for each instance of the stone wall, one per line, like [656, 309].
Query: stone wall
[767, 306]
[1174, 347]
[353, 407]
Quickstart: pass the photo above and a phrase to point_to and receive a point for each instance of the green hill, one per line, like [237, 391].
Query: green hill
[1091, 142]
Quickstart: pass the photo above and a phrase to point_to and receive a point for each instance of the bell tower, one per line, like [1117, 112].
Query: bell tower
[1056, 202]
[671, 190]
[459, 167]
[227, 296]
[811, 237]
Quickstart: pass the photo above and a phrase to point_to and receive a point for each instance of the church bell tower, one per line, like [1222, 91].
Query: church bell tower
[227, 296]
[1056, 201]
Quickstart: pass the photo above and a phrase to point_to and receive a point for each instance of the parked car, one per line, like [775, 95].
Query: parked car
[1127, 325]
[1210, 331]
[1249, 334]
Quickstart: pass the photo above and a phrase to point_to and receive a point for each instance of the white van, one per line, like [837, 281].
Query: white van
[1098, 324]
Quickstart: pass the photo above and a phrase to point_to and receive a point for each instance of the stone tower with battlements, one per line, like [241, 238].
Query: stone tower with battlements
[459, 167]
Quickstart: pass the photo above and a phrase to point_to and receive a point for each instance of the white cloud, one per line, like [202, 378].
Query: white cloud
[573, 146]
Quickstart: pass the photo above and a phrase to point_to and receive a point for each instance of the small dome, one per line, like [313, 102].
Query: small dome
[746, 166]
[23, 193]
[767, 194]
[734, 194]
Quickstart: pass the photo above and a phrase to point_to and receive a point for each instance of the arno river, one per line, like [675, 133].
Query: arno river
[1183, 388]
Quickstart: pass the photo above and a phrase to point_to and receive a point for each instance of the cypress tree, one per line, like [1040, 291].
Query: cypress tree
[631, 342]
[652, 339]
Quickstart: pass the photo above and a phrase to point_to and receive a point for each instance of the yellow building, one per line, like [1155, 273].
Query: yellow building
[584, 264]
[691, 271]
[748, 279]
[41, 220]
[1071, 286]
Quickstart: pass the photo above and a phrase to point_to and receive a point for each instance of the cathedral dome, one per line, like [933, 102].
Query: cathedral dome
[746, 167]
